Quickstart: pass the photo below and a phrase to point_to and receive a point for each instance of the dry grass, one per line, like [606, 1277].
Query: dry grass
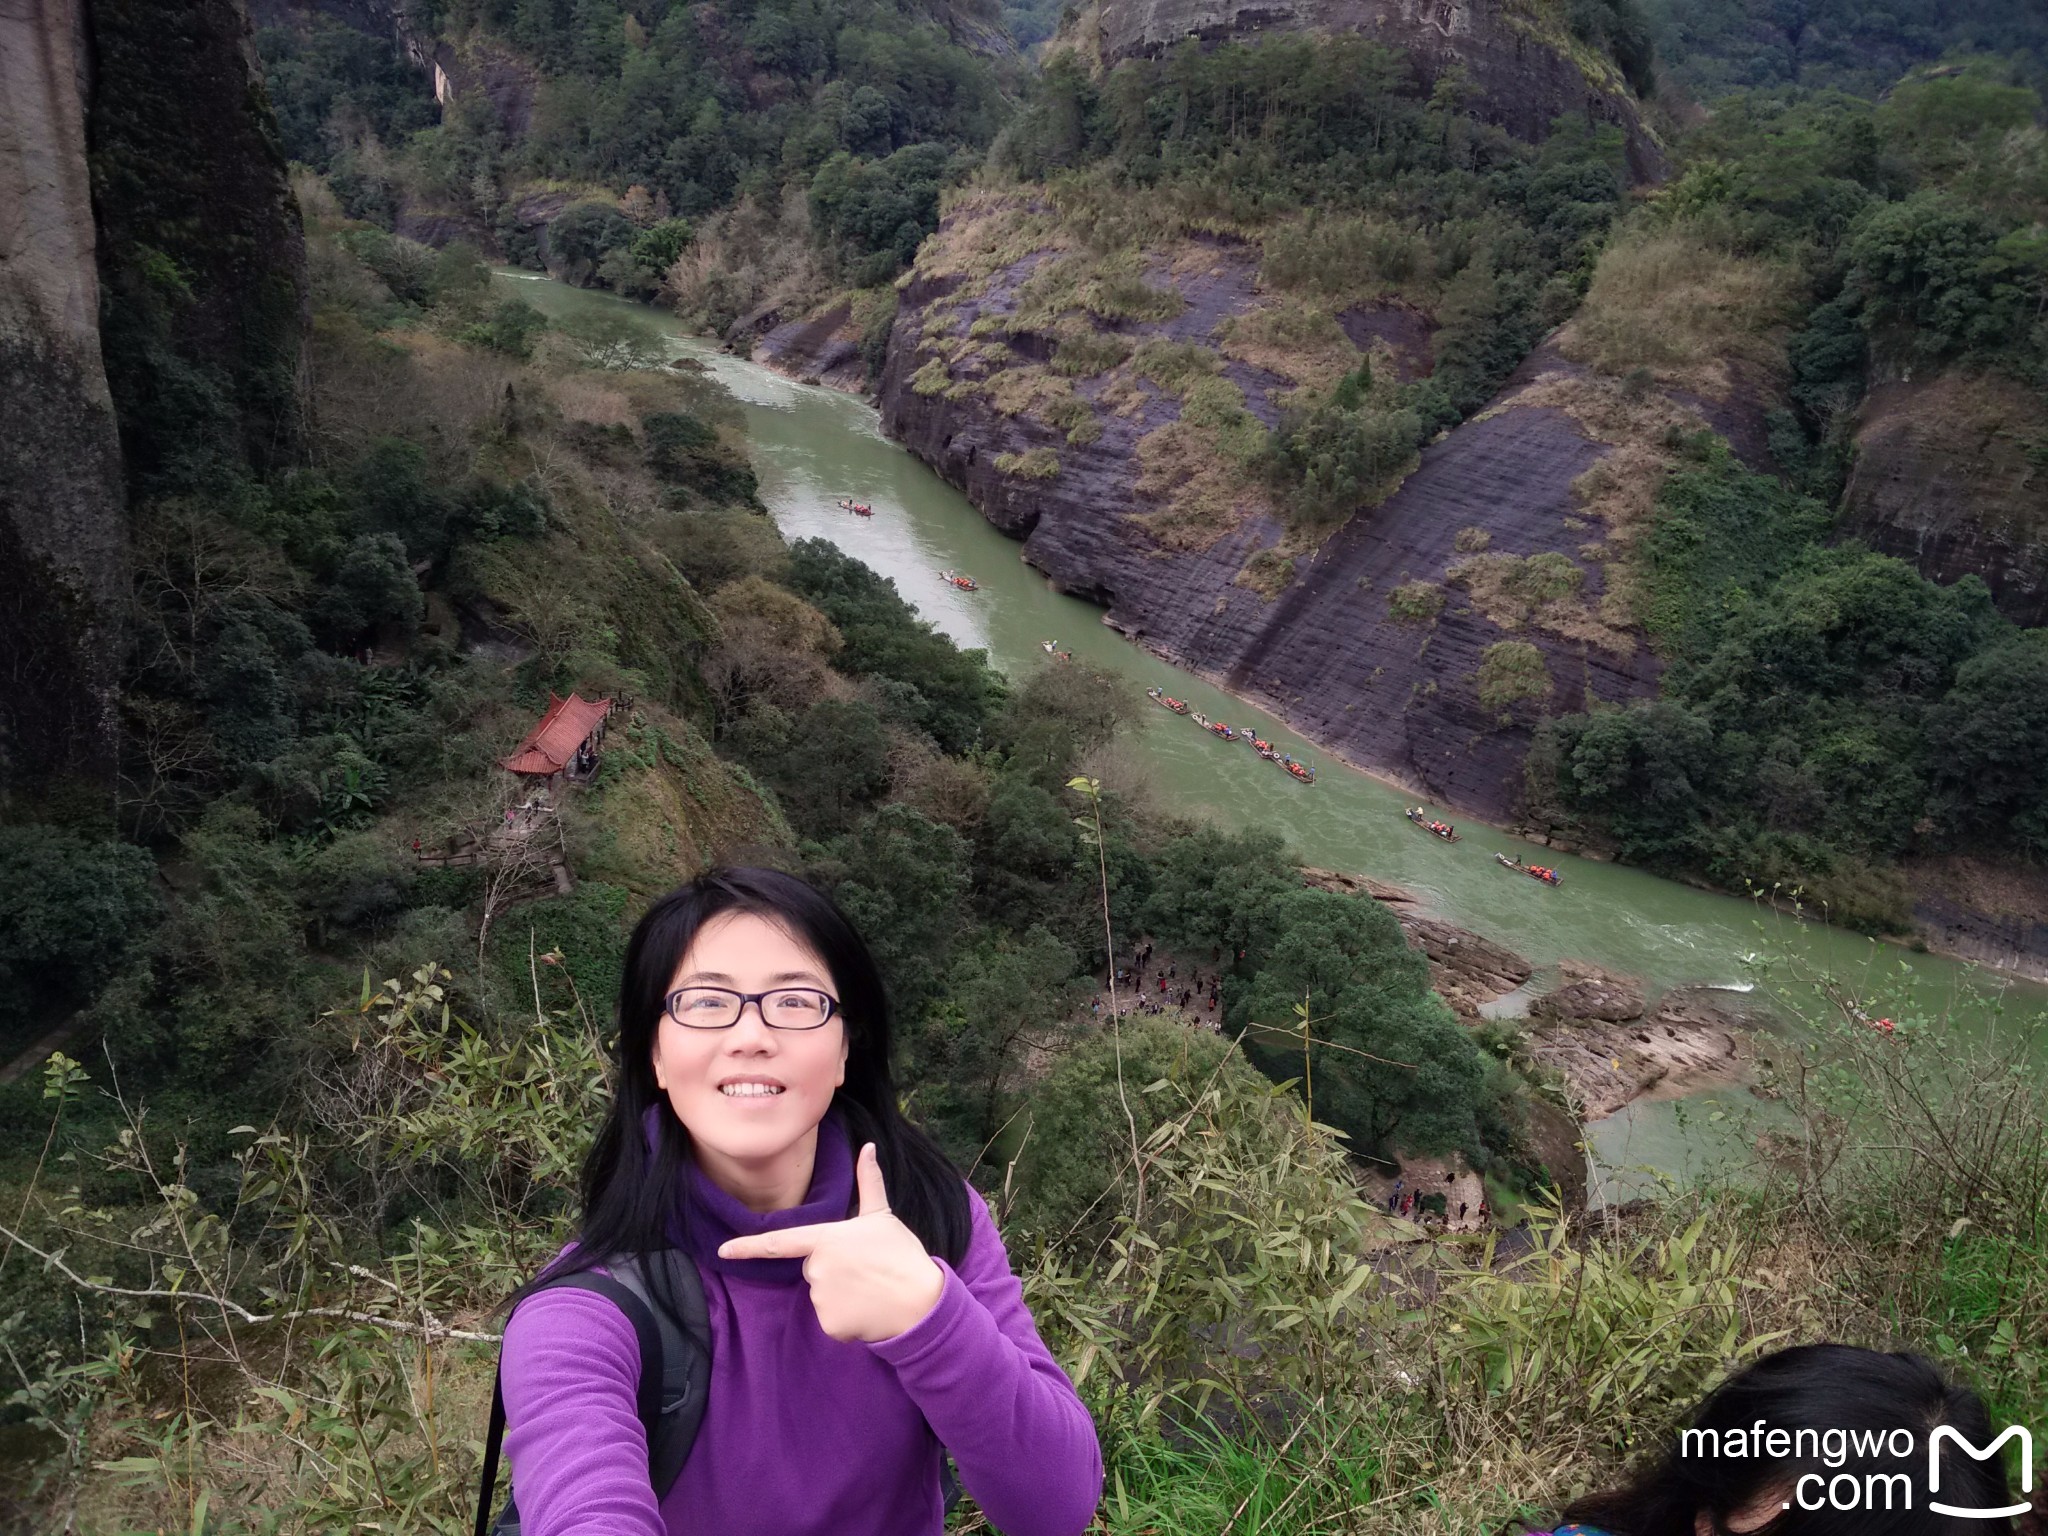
[984, 232]
[1040, 395]
[747, 256]
[1669, 302]
[1348, 261]
[1298, 339]
[586, 397]
[410, 384]
[1544, 592]
[1027, 391]
[1269, 572]
[1032, 464]
[1199, 495]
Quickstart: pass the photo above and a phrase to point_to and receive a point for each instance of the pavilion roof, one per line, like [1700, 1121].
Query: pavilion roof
[565, 727]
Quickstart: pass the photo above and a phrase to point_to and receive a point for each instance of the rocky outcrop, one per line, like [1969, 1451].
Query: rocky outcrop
[1592, 1030]
[1523, 73]
[1992, 914]
[1602, 998]
[1950, 475]
[820, 349]
[152, 303]
[63, 577]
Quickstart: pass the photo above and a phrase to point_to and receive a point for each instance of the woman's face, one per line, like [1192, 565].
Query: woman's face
[707, 1073]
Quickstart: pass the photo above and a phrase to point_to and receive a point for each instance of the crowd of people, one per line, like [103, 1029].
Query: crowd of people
[1150, 991]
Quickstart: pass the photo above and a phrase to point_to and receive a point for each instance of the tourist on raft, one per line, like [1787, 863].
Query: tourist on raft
[864, 1318]
[1772, 1451]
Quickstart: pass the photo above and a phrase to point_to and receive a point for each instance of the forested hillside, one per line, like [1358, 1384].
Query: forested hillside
[1709, 48]
[1827, 709]
[602, 137]
[1556, 455]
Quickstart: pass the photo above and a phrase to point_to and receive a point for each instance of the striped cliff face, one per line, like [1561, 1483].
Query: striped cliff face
[1330, 649]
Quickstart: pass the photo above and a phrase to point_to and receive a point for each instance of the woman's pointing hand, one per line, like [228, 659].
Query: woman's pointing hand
[870, 1277]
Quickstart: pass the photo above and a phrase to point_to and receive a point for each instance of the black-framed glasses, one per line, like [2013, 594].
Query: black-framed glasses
[780, 1007]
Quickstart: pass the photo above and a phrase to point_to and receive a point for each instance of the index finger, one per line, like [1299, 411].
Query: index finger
[789, 1243]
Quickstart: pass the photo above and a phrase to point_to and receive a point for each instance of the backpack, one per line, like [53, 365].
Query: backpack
[662, 1296]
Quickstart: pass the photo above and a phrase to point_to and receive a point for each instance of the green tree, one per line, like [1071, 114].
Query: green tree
[1640, 769]
[1386, 1061]
[1992, 768]
[950, 693]
[613, 340]
[902, 879]
[827, 766]
[1060, 713]
[1005, 996]
[72, 908]
[372, 584]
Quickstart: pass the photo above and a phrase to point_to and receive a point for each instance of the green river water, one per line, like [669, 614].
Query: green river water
[813, 445]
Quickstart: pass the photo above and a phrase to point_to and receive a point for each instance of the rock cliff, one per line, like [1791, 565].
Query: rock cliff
[63, 583]
[1952, 475]
[1438, 687]
[152, 301]
[1523, 67]
[201, 251]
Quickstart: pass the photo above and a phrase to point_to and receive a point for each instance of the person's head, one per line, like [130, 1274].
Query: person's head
[750, 931]
[1819, 1440]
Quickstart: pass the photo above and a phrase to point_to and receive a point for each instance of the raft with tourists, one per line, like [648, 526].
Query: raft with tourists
[857, 508]
[1541, 872]
[1431, 825]
[1166, 700]
[961, 580]
[1214, 727]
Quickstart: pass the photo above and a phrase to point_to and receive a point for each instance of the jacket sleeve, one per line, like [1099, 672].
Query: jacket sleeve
[570, 1371]
[995, 1397]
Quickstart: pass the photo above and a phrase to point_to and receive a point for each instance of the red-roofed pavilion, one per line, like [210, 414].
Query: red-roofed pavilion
[565, 738]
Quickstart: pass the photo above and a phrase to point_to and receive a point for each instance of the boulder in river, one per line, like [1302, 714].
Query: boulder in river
[1599, 996]
[1692, 1039]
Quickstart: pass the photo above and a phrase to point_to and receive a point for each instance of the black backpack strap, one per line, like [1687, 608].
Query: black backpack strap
[647, 1401]
[492, 1436]
[668, 1281]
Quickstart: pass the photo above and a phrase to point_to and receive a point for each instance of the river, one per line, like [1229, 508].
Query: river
[812, 445]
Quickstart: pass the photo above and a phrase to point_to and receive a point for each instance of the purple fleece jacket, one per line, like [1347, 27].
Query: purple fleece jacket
[802, 1433]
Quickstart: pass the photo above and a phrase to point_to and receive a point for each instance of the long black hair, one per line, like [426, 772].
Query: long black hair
[631, 1196]
[1819, 1388]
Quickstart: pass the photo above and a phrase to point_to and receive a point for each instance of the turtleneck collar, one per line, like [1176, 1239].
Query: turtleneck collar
[713, 1216]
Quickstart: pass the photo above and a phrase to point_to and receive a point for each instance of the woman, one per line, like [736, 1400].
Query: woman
[863, 1312]
[1820, 1440]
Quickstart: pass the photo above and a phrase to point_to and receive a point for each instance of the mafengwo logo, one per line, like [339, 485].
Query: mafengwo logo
[2026, 1439]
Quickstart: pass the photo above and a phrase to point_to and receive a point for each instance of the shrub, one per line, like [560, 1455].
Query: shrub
[71, 909]
[1415, 602]
[1083, 354]
[1032, 464]
[1511, 671]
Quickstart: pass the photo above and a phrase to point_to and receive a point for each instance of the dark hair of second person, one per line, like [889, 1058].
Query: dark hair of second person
[1691, 1490]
